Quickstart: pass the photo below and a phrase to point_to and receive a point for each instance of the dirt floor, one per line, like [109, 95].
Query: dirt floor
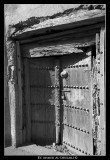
[37, 150]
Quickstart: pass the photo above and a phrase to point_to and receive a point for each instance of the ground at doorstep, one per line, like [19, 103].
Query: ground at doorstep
[37, 150]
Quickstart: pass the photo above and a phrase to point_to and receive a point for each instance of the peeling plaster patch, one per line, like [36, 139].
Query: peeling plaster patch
[21, 12]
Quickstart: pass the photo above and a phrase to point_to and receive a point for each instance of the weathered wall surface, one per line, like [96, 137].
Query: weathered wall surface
[20, 16]
[20, 12]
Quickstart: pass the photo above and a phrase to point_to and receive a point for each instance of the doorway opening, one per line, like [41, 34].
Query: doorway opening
[75, 101]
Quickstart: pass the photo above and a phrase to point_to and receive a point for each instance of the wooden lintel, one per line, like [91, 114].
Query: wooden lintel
[60, 47]
[72, 36]
[63, 33]
[77, 20]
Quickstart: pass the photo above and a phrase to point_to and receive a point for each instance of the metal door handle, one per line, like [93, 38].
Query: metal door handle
[63, 95]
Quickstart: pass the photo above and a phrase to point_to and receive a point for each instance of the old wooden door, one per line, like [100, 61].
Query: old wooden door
[41, 100]
[76, 103]
[47, 90]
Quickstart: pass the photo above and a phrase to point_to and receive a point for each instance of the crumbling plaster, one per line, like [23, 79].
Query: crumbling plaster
[46, 15]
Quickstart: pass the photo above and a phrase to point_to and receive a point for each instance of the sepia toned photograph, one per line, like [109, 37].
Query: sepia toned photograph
[54, 80]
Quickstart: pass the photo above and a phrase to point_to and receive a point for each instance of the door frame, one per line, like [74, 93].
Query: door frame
[15, 92]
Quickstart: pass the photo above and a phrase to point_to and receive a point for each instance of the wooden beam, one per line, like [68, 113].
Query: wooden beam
[91, 104]
[63, 33]
[60, 47]
[27, 101]
[102, 90]
[72, 36]
[97, 117]
[52, 50]
[63, 23]
[57, 101]
[19, 91]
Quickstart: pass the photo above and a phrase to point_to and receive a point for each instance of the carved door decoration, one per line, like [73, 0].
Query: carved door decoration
[76, 103]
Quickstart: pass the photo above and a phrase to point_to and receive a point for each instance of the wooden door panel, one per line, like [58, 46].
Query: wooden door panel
[37, 111]
[76, 88]
[77, 118]
[40, 131]
[37, 95]
[38, 135]
[42, 96]
[49, 110]
[42, 100]
[50, 132]
[50, 79]
[80, 76]
[45, 71]
[49, 96]
[76, 103]
[37, 78]
[74, 60]
[77, 97]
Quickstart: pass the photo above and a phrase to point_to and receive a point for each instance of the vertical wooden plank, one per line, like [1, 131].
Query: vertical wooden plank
[42, 100]
[57, 100]
[13, 91]
[102, 92]
[13, 104]
[91, 109]
[19, 90]
[97, 110]
[27, 101]
[80, 121]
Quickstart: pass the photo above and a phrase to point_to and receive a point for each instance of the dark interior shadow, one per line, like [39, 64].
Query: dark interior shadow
[42, 103]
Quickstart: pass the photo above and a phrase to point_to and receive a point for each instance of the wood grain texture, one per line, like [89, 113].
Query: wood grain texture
[102, 90]
[78, 98]
[27, 100]
[57, 100]
[74, 32]
[13, 94]
[66, 46]
[97, 116]
[12, 103]
[19, 90]
[42, 100]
